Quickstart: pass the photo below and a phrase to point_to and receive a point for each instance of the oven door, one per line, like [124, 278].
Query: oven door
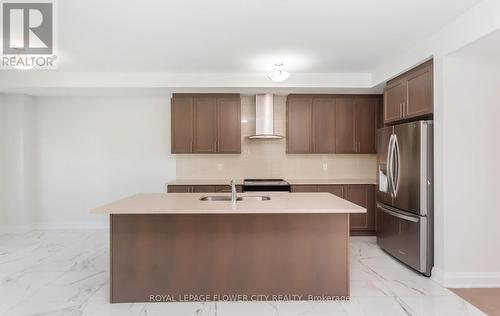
[405, 236]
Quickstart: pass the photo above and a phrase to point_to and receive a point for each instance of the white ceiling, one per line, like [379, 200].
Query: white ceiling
[219, 36]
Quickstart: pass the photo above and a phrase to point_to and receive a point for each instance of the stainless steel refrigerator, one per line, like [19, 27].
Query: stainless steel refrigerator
[405, 193]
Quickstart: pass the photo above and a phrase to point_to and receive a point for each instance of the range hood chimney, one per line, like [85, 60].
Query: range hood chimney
[264, 117]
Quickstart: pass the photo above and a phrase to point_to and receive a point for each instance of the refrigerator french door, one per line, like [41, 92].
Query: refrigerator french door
[405, 193]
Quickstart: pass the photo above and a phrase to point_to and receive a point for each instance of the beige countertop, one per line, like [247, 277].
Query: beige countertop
[331, 181]
[189, 203]
[291, 181]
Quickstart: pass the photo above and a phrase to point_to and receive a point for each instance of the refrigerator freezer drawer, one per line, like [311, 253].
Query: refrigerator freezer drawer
[405, 236]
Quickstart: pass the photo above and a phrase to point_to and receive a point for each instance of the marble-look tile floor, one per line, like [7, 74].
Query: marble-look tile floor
[59, 273]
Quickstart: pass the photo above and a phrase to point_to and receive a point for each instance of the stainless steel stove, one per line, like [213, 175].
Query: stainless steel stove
[263, 185]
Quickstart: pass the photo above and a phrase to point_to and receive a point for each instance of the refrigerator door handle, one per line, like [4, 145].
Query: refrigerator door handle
[385, 209]
[390, 165]
[397, 165]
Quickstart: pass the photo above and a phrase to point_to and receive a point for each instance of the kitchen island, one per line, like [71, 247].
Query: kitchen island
[176, 247]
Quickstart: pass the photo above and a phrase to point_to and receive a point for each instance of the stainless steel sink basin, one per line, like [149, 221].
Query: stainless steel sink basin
[254, 197]
[240, 198]
[216, 198]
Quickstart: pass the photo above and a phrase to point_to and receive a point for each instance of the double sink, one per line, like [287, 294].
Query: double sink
[239, 198]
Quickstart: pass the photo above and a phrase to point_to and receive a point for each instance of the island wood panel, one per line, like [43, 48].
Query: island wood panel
[215, 254]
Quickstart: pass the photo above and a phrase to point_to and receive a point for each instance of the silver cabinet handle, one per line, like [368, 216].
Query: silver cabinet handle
[386, 209]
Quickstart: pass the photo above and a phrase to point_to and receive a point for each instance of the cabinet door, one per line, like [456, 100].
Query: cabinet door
[181, 114]
[228, 125]
[203, 189]
[205, 113]
[299, 119]
[366, 125]
[335, 189]
[394, 97]
[304, 188]
[179, 189]
[362, 195]
[419, 98]
[344, 126]
[323, 139]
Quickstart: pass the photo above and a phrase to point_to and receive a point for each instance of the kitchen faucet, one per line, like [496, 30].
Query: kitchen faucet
[233, 192]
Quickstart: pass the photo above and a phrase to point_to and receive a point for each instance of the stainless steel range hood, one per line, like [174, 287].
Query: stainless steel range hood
[264, 117]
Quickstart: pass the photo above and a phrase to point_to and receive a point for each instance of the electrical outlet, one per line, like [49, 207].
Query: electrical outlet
[220, 167]
[325, 166]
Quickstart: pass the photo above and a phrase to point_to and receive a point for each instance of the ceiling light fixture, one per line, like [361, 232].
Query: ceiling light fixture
[278, 75]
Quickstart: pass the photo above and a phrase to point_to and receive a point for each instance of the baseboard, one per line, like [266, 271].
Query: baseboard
[466, 279]
[437, 276]
[22, 229]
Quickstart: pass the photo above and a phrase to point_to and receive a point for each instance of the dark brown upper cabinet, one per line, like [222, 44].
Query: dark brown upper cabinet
[323, 125]
[394, 97]
[366, 124]
[182, 124]
[299, 125]
[331, 123]
[228, 124]
[356, 124]
[206, 123]
[345, 126]
[410, 95]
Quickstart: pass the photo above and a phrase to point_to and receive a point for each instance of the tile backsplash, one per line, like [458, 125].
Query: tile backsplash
[268, 158]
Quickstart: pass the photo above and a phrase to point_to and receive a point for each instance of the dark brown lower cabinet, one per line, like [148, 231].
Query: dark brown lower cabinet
[304, 188]
[201, 188]
[363, 195]
[360, 194]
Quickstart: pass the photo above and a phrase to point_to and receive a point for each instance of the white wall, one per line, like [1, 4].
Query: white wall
[16, 161]
[474, 24]
[91, 151]
[471, 169]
